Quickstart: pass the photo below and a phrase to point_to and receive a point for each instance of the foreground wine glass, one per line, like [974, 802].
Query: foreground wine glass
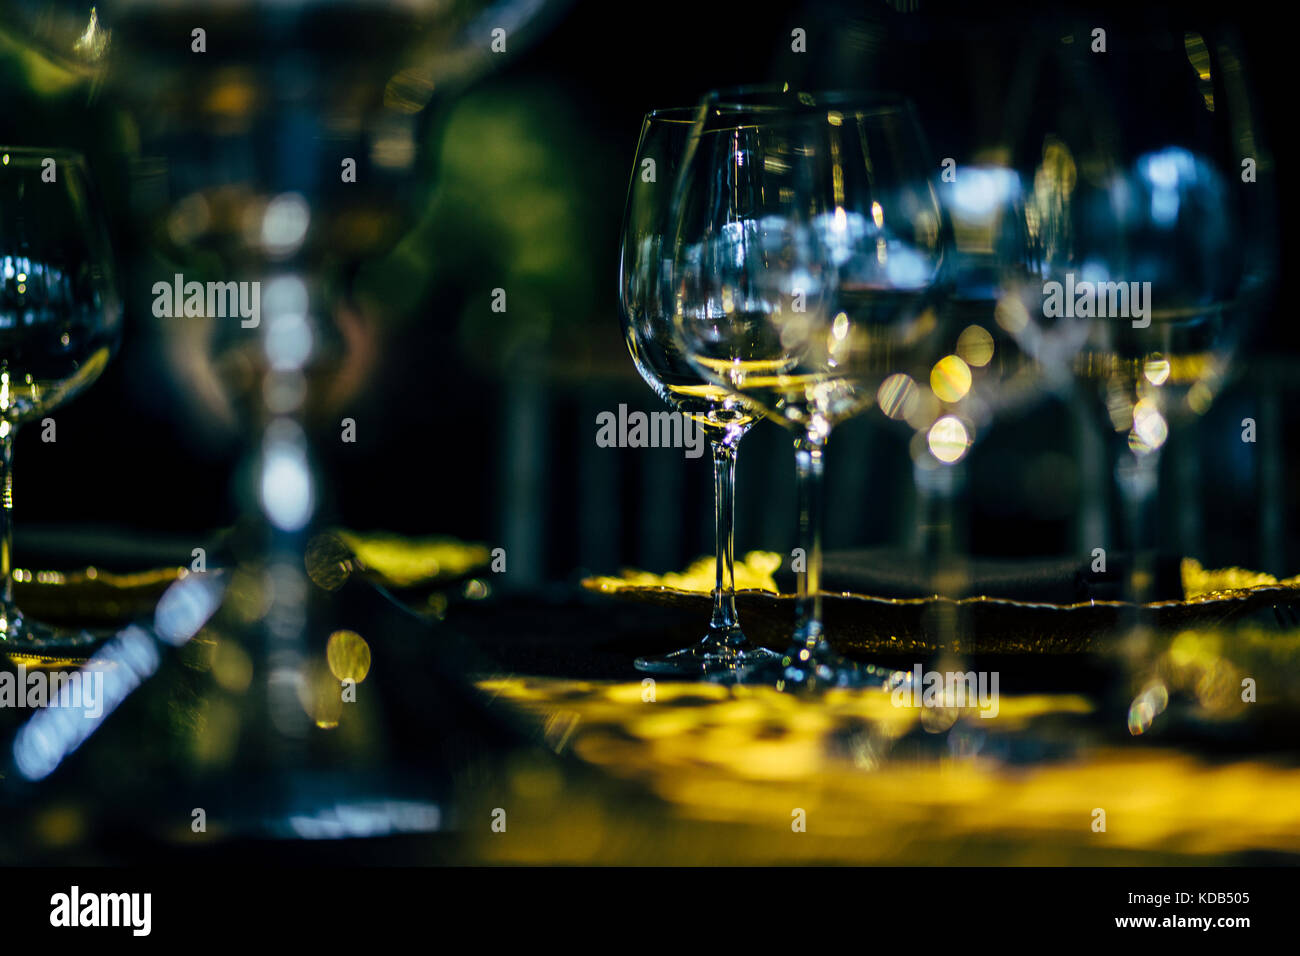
[60, 321]
[725, 417]
[806, 259]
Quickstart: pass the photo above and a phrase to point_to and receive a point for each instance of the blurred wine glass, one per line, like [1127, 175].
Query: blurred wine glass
[725, 416]
[275, 148]
[1150, 214]
[807, 262]
[60, 323]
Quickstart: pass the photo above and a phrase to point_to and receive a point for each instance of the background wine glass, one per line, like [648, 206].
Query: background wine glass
[725, 416]
[1179, 251]
[949, 396]
[807, 259]
[1147, 172]
[60, 322]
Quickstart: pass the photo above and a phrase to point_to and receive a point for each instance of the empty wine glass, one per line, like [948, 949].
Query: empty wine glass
[725, 417]
[60, 321]
[1152, 182]
[807, 258]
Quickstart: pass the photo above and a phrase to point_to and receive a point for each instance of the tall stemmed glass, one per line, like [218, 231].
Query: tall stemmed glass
[807, 257]
[1180, 257]
[725, 416]
[1149, 201]
[60, 322]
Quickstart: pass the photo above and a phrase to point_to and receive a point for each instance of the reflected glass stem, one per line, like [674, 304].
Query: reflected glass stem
[808, 455]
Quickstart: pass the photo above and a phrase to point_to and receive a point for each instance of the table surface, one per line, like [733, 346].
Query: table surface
[592, 763]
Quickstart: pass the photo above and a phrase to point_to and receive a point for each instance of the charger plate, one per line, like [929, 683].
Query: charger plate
[863, 624]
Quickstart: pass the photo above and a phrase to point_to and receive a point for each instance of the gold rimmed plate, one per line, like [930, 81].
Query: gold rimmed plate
[92, 599]
[862, 625]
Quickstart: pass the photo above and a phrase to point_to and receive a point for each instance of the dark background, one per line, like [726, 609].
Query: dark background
[483, 426]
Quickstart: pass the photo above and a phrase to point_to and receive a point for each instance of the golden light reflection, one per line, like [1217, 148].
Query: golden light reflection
[1201, 582]
[1200, 397]
[94, 40]
[744, 756]
[840, 327]
[406, 562]
[948, 439]
[975, 346]
[753, 573]
[1198, 55]
[1156, 369]
[320, 695]
[232, 668]
[950, 379]
[1010, 313]
[348, 656]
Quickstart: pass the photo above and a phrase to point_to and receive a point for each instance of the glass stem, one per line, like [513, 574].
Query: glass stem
[808, 452]
[725, 623]
[8, 612]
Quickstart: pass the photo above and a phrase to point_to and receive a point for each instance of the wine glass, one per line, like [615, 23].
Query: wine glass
[1167, 244]
[60, 322]
[1179, 256]
[725, 416]
[807, 261]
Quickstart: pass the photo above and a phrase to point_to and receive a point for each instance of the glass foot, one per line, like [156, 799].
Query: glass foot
[712, 658]
[811, 670]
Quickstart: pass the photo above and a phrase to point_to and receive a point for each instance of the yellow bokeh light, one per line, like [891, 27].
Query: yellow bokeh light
[1156, 369]
[950, 378]
[348, 656]
[975, 346]
[948, 439]
[1010, 314]
[840, 327]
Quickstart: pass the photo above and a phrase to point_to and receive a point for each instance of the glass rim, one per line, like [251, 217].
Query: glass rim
[815, 99]
[798, 107]
[671, 114]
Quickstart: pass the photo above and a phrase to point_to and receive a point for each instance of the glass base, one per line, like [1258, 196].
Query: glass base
[20, 634]
[812, 670]
[717, 658]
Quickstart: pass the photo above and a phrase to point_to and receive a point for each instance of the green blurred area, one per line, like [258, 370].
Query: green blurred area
[520, 198]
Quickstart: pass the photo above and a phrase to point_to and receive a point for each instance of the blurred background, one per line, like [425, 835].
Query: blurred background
[482, 424]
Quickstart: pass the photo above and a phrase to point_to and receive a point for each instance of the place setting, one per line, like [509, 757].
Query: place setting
[449, 440]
